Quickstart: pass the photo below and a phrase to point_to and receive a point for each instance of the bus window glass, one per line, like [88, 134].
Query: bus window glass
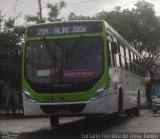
[117, 60]
[117, 56]
[138, 67]
[64, 60]
[122, 56]
[132, 65]
[141, 71]
[135, 63]
[110, 51]
[111, 55]
[127, 58]
[126, 65]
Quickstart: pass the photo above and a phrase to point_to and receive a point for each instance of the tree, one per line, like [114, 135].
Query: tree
[53, 14]
[35, 19]
[73, 16]
[54, 11]
[148, 36]
[10, 46]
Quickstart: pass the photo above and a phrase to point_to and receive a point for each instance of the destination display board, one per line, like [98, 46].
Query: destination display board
[68, 28]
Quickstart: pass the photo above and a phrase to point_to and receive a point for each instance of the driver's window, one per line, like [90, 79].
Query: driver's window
[110, 52]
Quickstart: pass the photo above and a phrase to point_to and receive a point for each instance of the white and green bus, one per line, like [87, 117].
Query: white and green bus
[80, 68]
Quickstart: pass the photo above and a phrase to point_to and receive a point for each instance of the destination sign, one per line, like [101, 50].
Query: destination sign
[68, 28]
[79, 73]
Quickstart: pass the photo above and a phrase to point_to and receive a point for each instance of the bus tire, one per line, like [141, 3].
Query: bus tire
[128, 113]
[114, 117]
[155, 111]
[136, 111]
[54, 121]
[120, 100]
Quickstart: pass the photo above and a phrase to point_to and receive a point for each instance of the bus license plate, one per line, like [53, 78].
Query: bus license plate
[64, 111]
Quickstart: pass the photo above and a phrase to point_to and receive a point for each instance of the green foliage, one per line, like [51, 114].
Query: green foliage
[54, 11]
[10, 47]
[53, 14]
[140, 26]
[9, 24]
[34, 19]
[72, 16]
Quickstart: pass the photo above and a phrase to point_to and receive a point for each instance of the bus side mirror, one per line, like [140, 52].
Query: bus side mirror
[114, 47]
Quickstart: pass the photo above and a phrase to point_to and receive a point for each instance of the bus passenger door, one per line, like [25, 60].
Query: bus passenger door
[112, 97]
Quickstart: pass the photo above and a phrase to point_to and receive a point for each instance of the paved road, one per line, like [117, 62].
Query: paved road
[77, 128]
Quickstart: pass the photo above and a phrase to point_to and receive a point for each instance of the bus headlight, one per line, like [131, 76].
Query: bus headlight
[98, 93]
[28, 96]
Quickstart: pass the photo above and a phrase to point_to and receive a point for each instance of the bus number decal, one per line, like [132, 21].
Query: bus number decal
[42, 31]
[48, 99]
[79, 29]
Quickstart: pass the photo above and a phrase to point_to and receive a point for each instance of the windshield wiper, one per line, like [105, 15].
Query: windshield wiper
[51, 51]
[58, 43]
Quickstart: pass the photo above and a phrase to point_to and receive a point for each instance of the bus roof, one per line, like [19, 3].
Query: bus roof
[90, 30]
[68, 22]
[65, 28]
[123, 41]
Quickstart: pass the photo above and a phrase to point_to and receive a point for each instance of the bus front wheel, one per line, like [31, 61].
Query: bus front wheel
[120, 100]
[54, 121]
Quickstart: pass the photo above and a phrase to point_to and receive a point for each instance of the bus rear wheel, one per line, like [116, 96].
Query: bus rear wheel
[120, 100]
[115, 116]
[136, 111]
[128, 113]
[54, 121]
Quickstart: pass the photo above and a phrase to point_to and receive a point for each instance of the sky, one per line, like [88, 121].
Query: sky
[79, 7]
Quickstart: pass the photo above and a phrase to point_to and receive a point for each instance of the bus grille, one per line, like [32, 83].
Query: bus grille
[52, 109]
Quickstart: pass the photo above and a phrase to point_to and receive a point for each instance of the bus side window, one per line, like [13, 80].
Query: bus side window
[134, 66]
[131, 61]
[111, 55]
[110, 52]
[138, 66]
[116, 52]
[122, 57]
[142, 69]
[134, 63]
[119, 60]
[126, 64]
[128, 59]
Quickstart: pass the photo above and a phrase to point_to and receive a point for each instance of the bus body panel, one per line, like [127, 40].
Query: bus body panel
[130, 85]
[98, 106]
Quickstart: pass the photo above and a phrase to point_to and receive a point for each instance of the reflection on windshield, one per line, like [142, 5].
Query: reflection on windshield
[64, 60]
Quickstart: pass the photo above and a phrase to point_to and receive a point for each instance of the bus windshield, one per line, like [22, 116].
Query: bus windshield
[71, 60]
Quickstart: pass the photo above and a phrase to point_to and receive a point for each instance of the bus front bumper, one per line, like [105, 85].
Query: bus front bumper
[98, 106]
